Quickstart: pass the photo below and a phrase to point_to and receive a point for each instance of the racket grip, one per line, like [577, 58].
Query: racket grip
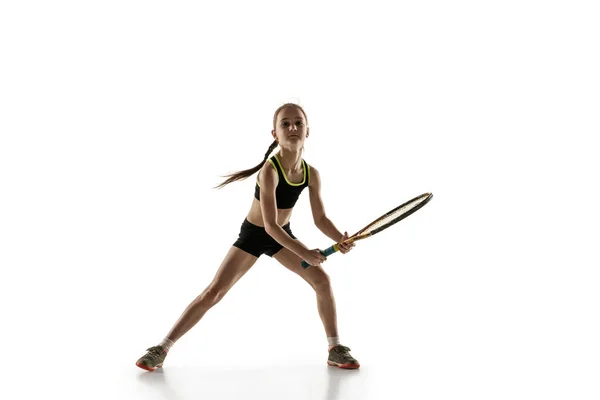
[328, 251]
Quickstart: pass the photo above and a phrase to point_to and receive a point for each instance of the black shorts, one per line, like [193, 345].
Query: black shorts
[255, 240]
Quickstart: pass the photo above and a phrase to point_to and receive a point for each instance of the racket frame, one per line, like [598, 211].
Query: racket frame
[360, 235]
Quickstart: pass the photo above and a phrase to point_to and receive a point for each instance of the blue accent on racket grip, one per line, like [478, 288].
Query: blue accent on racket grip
[328, 251]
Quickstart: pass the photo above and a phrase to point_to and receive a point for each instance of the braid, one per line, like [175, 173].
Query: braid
[241, 175]
[271, 148]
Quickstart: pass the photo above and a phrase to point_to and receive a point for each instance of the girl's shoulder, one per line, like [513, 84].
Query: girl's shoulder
[313, 174]
[268, 170]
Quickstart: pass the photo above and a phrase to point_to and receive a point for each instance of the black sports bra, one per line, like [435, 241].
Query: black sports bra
[286, 193]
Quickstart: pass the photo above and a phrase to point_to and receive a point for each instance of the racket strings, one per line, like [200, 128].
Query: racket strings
[392, 216]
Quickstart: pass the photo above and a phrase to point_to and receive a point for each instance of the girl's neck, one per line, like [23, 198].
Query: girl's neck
[290, 160]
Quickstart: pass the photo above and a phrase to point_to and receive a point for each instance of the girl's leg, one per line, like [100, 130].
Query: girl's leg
[236, 263]
[319, 280]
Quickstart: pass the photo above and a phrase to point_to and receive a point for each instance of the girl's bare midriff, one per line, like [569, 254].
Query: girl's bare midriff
[255, 215]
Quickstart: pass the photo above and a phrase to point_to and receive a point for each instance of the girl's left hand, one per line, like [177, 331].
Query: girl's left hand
[345, 247]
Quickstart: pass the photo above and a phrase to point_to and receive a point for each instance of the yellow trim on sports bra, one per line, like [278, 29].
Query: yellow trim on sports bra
[306, 173]
[285, 177]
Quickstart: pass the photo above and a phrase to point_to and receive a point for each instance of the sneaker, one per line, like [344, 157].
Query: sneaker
[153, 359]
[339, 356]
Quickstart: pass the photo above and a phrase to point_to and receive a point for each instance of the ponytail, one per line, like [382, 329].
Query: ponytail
[240, 175]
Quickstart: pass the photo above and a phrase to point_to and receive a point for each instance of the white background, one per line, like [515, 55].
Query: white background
[117, 119]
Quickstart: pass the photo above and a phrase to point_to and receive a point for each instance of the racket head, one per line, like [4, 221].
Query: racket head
[393, 216]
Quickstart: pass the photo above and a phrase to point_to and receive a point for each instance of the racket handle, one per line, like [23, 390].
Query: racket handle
[328, 251]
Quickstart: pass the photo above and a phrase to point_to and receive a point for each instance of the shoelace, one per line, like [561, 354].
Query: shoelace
[343, 351]
[154, 352]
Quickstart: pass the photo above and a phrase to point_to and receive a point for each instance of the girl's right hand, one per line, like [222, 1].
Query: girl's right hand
[314, 257]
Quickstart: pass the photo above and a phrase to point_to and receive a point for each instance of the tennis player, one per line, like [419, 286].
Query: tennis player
[266, 230]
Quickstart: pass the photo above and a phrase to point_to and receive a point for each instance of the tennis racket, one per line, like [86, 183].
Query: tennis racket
[385, 221]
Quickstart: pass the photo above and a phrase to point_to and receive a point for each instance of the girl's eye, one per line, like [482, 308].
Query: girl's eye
[299, 123]
[285, 124]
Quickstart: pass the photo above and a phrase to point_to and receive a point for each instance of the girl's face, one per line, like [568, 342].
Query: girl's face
[290, 128]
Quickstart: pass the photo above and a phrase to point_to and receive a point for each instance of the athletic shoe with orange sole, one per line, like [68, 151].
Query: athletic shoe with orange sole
[153, 359]
[340, 357]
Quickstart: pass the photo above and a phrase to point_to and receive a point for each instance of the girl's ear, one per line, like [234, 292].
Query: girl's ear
[307, 131]
[274, 134]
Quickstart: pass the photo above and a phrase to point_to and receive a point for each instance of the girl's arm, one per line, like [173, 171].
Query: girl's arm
[320, 217]
[318, 209]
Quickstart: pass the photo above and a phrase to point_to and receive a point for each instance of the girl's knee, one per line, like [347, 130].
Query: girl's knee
[213, 293]
[322, 284]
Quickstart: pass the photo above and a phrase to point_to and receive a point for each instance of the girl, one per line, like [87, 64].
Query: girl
[266, 230]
